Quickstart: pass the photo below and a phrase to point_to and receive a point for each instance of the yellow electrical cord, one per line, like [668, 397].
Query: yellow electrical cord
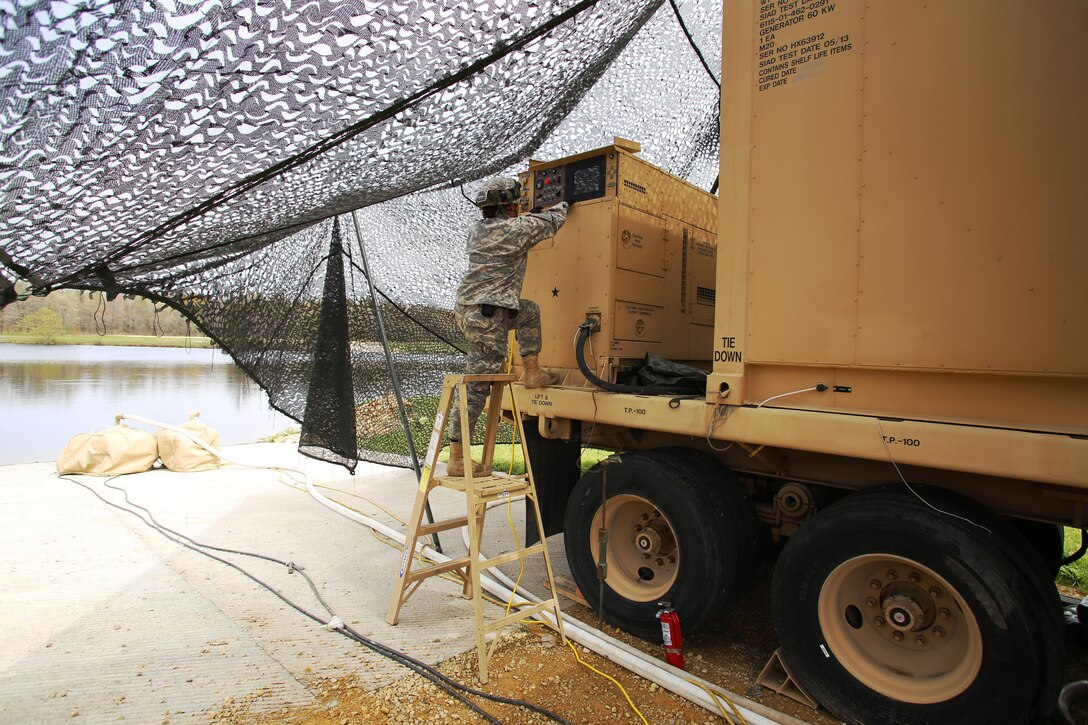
[609, 678]
[717, 697]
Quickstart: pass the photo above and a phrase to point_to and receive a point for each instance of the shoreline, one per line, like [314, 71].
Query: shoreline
[110, 340]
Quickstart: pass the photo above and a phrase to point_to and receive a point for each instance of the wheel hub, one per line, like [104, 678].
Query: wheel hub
[643, 556]
[908, 608]
[916, 606]
[655, 538]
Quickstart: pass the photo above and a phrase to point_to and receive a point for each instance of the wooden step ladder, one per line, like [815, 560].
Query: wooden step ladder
[479, 492]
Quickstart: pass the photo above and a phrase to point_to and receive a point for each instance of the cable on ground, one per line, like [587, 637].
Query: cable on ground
[610, 679]
[423, 669]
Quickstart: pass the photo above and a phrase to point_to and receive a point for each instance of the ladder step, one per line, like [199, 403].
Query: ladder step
[486, 378]
[435, 570]
[512, 556]
[443, 525]
[490, 487]
[551, 604]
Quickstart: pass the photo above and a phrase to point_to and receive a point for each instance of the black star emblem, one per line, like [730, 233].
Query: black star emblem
[555, 291]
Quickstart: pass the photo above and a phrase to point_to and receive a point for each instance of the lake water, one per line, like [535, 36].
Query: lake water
[48, 393]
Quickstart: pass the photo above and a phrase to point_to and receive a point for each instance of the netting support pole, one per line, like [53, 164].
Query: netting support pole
[392, 370]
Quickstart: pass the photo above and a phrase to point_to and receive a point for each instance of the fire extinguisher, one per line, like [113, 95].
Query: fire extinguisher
[670, 633]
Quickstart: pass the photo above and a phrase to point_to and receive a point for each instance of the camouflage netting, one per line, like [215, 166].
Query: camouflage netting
[207, 153]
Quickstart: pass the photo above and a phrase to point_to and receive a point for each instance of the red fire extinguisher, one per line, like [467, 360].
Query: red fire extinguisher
[670, 633]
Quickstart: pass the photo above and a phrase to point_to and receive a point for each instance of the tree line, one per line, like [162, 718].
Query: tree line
[72, 312]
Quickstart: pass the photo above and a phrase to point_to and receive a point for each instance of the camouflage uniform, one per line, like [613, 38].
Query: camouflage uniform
[497, 252]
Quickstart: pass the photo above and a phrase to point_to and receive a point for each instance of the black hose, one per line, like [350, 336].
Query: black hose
[584, 331]
[421, 668]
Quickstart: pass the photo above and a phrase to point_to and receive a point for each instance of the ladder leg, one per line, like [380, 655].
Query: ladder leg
[426, 483]
[475, 531]
[466, 430]
[494, 414]
[396, 600]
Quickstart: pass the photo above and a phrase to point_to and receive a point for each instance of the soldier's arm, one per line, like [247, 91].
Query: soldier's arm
[541, 225]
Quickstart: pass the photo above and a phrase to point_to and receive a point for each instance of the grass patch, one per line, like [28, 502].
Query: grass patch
[593, 456]
[109, 340]
[1074, 575]
[289, 434]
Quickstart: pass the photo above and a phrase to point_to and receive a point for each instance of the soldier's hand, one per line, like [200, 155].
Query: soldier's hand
[563, 207]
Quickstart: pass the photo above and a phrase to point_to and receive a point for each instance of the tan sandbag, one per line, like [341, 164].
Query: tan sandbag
[111, 452]
[180, 453]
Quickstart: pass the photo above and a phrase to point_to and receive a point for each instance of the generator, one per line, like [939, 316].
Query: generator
[636, 257]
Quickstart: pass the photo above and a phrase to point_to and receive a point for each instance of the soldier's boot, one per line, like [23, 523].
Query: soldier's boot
[456, 464]
[534, 376]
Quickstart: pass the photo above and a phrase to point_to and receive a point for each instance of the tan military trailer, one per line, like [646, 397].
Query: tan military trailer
[889, 296]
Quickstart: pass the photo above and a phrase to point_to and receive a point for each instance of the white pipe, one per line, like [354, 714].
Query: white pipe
[686, 685]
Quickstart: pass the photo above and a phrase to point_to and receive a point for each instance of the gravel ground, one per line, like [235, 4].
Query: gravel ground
[531, 665]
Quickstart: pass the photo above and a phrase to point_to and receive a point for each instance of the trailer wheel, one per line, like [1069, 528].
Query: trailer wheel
[668, 540]
[889, 611]
[733, 499]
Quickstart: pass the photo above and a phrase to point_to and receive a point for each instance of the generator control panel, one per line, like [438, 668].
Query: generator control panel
[577, 180]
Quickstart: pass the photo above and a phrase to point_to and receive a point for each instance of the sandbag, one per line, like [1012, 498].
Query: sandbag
[111, 452]
[180, 453]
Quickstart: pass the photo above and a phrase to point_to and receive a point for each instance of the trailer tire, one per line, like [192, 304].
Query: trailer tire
[733, 499]
[679, 516]
[860, 593]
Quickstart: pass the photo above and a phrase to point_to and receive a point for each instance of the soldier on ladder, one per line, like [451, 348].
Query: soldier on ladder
[489, 300]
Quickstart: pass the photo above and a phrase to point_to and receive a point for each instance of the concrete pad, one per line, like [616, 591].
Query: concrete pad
[108, 619]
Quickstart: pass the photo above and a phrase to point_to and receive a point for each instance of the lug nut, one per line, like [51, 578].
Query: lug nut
[638, 527]
[943, 613]
[897, 636]
[645, 517]
[660, 562]
[934, 592]
[645, 556]
[920, 640]
[915, 577]
[879, 621]
[938, 632]
[672, 559]
[870, 601]
[875, 584]
[892, 574]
